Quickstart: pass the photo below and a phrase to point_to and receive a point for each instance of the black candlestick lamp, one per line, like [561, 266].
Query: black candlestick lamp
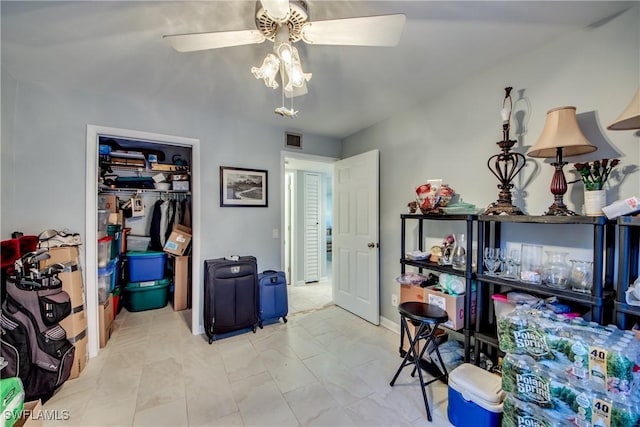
[506, 165]
[561, 136]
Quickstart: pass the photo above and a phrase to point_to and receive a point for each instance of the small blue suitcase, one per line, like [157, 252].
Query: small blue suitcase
[273, 296]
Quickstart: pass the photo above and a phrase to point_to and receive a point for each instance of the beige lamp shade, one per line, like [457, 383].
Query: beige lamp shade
[561, 130]
[630, 117]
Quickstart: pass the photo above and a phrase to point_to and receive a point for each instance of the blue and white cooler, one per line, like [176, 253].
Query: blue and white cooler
[475, 397]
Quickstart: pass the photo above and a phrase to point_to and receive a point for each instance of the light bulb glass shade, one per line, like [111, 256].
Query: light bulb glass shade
[268, 70]
[281, 44]
[284, 52]
[561, 130]
[630, 117]
[296, 77]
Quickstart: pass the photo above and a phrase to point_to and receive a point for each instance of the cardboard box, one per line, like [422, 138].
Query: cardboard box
[411, 293]
[72, 284]
[453, 305]
[81, 357]
[32, 415]
[178, 241]
[108, 202]
[105, 315]
[181, 282]
[75, 323]
[62, 255]
[116, 218]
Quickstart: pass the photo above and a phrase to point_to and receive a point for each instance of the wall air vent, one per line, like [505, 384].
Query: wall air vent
[293, 140]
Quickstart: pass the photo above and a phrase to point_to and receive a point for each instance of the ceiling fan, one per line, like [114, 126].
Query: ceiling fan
[285, 22]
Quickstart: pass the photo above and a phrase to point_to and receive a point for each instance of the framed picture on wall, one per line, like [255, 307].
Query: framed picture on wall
[243, 187]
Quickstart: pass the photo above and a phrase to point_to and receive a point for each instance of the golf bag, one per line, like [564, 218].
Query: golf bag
[32, 342]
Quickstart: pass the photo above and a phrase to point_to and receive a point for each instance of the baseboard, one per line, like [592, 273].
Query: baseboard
[390, 325]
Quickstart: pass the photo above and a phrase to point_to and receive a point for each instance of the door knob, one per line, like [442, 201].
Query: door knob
[371, 245]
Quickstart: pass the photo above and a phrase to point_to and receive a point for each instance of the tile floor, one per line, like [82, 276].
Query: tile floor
[310, 296]
[324, 367]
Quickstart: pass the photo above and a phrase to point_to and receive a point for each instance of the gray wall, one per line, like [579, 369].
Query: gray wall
[43, 162]
[8, 93]
[451, 135]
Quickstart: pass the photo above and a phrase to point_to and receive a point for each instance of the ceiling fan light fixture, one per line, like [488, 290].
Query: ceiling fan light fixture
[284, 53]
[296, 76]
[285, 22]
[268, 71]
[278, 10]
[282, 46]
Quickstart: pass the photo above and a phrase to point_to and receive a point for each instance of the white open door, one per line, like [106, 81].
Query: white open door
[356, 286]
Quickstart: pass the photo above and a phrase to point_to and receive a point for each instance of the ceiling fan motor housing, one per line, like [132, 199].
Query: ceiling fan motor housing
[298, 16]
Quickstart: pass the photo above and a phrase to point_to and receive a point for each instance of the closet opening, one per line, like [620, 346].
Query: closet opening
[143, 215]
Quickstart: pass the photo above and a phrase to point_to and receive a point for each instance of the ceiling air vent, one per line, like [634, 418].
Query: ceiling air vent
[293, 140]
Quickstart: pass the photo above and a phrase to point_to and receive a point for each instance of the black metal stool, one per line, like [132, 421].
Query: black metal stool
[426, 318]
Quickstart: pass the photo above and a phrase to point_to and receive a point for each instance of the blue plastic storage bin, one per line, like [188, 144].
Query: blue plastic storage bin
[106, 281]
[475, 397]
[145, 266]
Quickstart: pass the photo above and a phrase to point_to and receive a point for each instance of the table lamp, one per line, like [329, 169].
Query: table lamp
[560, 137]
[630, 117]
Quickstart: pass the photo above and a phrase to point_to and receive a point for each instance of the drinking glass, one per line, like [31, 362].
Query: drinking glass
[503, 255]
[581, 276]
[531, 263]
[491, 260]
[513, 264]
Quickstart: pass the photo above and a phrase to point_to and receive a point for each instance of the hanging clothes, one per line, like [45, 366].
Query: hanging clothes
[154, 227]
[179, 213]
[172, 217]
[164, 221]
[186, 212]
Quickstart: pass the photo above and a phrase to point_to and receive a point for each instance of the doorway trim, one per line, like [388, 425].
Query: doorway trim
[91, 220]
[283, 189]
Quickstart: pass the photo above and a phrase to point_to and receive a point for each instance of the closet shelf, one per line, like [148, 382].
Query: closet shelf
[143, 169]
[140, 190]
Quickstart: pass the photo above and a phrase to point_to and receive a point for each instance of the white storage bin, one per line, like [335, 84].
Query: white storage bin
[137, 243]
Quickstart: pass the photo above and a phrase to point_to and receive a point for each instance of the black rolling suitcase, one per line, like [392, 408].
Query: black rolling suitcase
[273, 296]
[230, 295]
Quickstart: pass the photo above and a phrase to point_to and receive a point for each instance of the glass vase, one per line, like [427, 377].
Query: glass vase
[459, 255]
[555, 272]
[531, 263]
[581, 276]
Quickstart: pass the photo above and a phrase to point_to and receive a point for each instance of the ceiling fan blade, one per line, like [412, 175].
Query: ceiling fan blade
[382, 30]
[278, 10]
[215, 40]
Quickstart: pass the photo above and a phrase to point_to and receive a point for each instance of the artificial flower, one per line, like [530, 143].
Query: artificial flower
[595, 174]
